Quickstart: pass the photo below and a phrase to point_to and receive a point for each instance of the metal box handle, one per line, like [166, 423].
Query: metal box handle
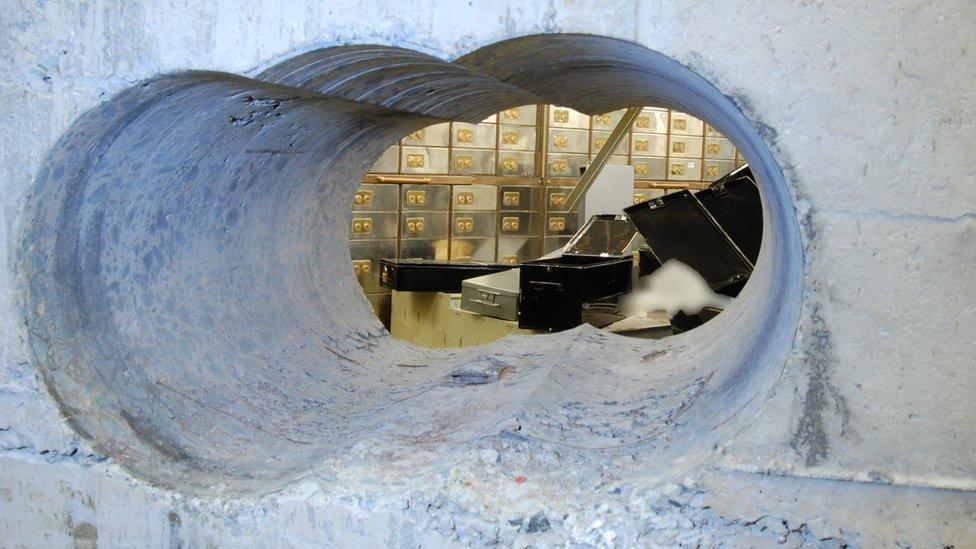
[488, 303]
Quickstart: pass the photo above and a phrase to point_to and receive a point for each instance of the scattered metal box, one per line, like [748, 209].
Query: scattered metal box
[647, 262]
[596, 265]
[735, 204]
[420, 275]
[494, 295]
[677, 226]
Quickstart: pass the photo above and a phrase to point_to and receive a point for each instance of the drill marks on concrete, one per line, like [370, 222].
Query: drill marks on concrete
[811, 438]
[244, 305]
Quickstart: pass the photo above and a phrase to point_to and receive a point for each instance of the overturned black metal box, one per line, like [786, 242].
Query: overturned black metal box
[596, 264]
[430, 275]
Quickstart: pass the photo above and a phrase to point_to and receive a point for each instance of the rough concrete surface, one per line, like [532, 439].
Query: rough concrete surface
[189, 306]
[869, 110]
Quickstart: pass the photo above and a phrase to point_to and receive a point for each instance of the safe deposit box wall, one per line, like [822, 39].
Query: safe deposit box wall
[496, 191]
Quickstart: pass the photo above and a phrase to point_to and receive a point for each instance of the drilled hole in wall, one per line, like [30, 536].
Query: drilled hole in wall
[189, 302]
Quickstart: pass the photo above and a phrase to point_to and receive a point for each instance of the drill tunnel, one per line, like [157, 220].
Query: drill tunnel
[187, 293]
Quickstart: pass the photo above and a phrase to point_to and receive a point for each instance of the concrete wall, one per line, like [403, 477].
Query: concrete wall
[869, 110]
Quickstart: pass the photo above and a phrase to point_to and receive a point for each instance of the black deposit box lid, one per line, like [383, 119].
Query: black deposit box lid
[677, 226]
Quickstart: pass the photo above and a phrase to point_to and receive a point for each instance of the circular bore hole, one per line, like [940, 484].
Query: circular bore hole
[445, 218]
[188, 299]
